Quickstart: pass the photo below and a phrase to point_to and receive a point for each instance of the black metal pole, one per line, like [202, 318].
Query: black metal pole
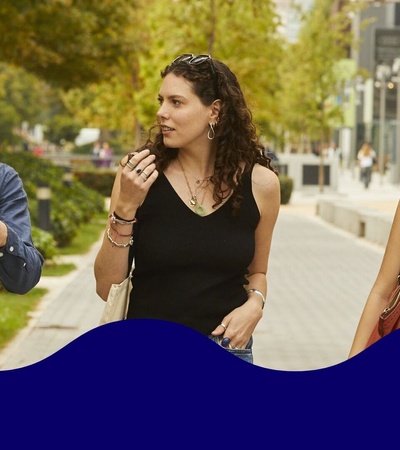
[43, 195]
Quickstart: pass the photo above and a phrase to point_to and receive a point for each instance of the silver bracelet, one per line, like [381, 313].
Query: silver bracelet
[256, 291]
[118, 244]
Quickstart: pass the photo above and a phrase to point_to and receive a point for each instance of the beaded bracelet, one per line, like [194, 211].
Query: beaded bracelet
[117, 219]
[118, 244]
[256, 291]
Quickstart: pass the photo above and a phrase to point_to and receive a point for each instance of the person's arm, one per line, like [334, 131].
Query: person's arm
[382, 288]
[267, 194]
[128, 193]
[20, 262]
[243, 320]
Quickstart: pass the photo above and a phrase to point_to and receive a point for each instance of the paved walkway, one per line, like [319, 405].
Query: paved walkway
[319, 278]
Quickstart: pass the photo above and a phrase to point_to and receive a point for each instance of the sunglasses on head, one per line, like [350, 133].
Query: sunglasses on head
[189, 58]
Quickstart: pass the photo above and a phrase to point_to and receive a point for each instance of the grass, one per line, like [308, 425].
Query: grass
[57, 270]
[88, 235]
[15, 309]
[14, 312]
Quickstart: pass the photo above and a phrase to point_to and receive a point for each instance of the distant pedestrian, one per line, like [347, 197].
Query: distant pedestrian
[20, 262]
[106, 154]
[96, 154]
[196, 209]
[366, 157]
[272, 156]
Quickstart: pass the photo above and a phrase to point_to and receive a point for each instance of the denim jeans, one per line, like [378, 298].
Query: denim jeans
[246, 354]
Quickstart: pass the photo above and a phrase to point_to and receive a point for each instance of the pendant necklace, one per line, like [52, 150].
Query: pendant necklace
[193, 202]
[198, 182]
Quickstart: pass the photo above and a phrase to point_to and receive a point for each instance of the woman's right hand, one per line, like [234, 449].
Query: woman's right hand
[136, 177]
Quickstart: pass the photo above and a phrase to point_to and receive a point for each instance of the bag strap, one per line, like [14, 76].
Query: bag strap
[131, 260]
[133, 268]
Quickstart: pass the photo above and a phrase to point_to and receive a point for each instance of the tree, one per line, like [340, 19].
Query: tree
[107, 55]
[26, 101]
[242, 34]
[310, 79]
[66, 42]
[309, 74]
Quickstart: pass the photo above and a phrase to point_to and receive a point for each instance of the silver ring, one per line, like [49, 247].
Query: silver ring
[144, 177]
[223, 325]
[147, 175]
[130, 165]
[138, 170]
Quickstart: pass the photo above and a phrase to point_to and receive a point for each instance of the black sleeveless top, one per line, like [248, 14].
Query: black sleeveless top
[191, 269]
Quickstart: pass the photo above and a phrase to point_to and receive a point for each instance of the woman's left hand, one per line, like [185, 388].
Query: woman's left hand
[239, 325]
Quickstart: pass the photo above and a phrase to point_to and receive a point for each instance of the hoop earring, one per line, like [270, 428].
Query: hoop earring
[211, 132]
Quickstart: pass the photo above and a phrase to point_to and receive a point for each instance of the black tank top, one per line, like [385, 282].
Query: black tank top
[191, 269]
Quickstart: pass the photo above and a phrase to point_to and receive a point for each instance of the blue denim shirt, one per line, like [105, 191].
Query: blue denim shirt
[20, 262]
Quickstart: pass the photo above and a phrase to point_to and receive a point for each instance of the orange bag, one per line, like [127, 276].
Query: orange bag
[389, 319]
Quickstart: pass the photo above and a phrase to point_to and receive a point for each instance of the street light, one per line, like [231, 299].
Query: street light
[383, 72]
[396, 79]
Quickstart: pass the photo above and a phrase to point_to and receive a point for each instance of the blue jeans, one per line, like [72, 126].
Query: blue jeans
[246, 354]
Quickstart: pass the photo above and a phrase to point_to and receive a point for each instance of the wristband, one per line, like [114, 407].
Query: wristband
[115, 218]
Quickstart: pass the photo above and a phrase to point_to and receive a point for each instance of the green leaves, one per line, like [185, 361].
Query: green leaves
[107, 56]
[68, 43]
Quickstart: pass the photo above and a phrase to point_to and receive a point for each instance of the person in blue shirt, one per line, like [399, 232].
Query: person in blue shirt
[20, 262]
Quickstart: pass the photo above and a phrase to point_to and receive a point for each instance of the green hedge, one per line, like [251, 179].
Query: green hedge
[70, 205]
[286, 188]
[101, 180]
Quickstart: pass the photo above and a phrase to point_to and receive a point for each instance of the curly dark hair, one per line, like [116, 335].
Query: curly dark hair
[237, 145]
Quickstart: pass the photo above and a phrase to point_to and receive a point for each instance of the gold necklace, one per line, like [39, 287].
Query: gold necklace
[193, 202]
[197, 180]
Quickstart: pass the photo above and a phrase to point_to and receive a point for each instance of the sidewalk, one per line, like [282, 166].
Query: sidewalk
[319, 277]
[68, 310]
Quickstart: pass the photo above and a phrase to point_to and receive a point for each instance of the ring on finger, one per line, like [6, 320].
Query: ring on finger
[138, 170]
[143, 176]
[145, 173]
[130, 165]
[223, 325]
[225, 342]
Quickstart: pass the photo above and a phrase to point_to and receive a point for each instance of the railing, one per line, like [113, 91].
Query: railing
[74, 161]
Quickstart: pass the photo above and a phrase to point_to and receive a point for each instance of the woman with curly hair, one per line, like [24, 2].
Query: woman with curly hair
[196, 209]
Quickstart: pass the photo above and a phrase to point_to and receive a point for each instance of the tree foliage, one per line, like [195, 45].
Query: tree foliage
[66, 42]
[25, 101]
[309, 73]
[241, 34]
[106, 59]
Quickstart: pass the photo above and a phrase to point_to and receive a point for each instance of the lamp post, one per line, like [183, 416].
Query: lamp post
[43, 195]
[396, 79]
[383, 72]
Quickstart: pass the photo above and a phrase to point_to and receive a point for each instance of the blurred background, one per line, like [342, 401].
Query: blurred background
[79, 79]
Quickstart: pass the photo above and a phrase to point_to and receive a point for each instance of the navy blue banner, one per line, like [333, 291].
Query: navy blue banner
[153, 384]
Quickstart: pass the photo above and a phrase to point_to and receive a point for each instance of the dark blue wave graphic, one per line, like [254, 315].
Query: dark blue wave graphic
[148, 384]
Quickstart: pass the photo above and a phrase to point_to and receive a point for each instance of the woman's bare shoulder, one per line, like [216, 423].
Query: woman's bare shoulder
[264, 178]
[266, 189]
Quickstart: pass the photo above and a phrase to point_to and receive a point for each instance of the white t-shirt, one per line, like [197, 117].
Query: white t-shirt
[367, 161]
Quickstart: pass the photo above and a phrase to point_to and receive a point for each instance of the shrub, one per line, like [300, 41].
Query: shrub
[286, 183]
[100, 180]
[70, 206]
[45, 243]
